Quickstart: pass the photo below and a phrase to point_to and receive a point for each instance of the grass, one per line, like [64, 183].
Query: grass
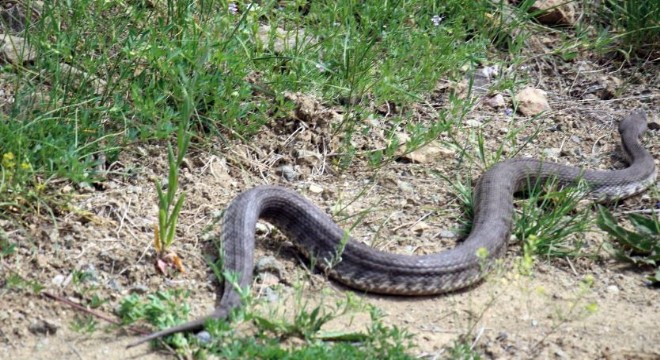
[212, 71]
[156, 61]
[266, 332]
[633, 25]
[641, 246]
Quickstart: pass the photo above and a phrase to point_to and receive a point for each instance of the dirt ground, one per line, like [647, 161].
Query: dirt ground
[108, 229]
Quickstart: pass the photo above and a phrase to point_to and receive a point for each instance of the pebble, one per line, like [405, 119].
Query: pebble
[315, 189]
[552, 153]
[58, 280]
[270, 264]
[271, 295]
[447, 234]
[262, 228]
[203, 337]
[112, 284]
[44, 327]
[496, 101]
[405, 186]
[613, 289]
[472, 123]
[139, 289]
[92, 274]
[288, 172]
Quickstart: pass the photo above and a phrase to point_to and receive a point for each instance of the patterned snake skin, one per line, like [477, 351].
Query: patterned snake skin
[366, 269]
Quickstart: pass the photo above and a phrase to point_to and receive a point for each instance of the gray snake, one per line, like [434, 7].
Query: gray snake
[369, 270]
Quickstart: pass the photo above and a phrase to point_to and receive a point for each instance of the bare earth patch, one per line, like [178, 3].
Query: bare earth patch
[108, 230]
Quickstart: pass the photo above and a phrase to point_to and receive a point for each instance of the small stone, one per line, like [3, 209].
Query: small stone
[307, 157]
[58, 280]
[91, 274]
[44, 327]
[553, 12]
[430, 153]
[402, 137]
[203, 337]
[16, 50]
[262, 228]
[532, 101]
[279, 40]
[139, 289]
[315, 189]
[113, 285]
[405, 186]
[419, 227]
[288, 172]
[271, 295]
[267, 279]
[496, 102]
[560, 354]
[269, 264]
[472, 123]
[552, 153]
[40, 261]
[447, 234]
[613, 289]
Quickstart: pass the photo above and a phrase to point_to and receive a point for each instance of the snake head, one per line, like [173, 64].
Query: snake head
[635, 123]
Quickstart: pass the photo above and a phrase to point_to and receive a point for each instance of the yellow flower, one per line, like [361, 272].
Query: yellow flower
[482, 253]
[8, 160]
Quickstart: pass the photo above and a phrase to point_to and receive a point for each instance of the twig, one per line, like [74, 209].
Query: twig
[103, 317]
[86, 310]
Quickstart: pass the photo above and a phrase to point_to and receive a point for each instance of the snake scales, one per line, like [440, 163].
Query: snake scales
[369, 270]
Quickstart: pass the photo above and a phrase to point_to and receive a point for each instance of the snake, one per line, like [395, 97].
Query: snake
[369, 270]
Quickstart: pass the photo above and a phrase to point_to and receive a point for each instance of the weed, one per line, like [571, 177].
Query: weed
[269, 339]
[633, 24]
[548, 219]
[640, 247]
[16, 282]
[462, 350]
[84, 324]
[7, 248]
[162, 309]
[168, 208]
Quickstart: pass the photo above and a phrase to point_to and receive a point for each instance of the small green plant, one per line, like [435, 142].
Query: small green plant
[462, 350]
[84, 324]
[96, 301]
[578, 307]
[378, 342]
[634, 24]
[16, 282]
[640, 247]
[272, 330]
[162, 309]
[168, 208]
[548, 218]
[81, 277]
[6, 247]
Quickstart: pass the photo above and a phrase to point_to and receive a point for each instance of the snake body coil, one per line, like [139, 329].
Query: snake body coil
[369, 270]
